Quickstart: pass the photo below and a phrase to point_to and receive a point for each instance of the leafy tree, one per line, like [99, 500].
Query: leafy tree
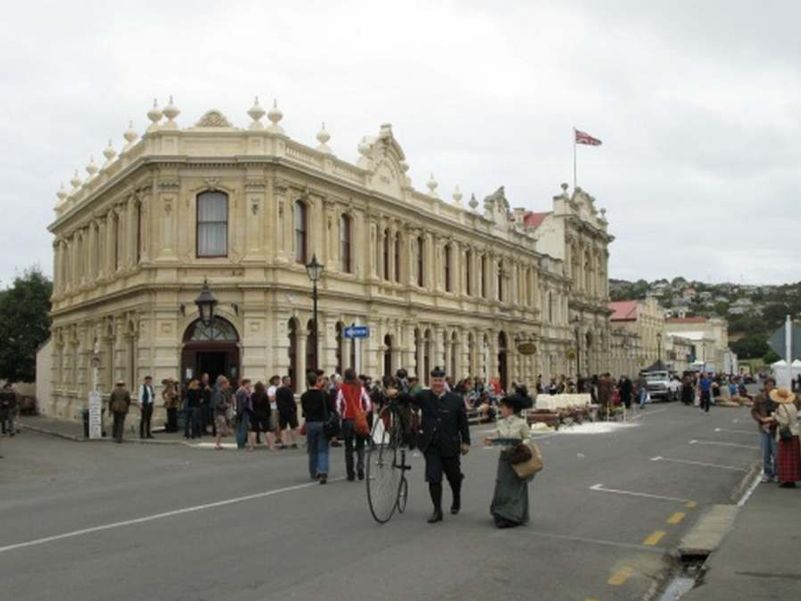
[774, 314]
[771, 357]
[24, 324]
[750, 347]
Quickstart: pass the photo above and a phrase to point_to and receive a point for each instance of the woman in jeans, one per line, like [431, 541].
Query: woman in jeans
[352, 398]
[317, 405]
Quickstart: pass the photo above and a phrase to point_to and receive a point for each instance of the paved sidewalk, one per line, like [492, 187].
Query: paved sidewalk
[759, 559]
[73, 430]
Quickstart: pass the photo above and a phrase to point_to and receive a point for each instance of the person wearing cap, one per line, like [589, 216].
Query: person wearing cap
[444, 437]
[119, 402]
[509, 505]
[788, 456]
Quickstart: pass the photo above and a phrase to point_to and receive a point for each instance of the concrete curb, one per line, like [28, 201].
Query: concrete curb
[70, 437]
[49, 432]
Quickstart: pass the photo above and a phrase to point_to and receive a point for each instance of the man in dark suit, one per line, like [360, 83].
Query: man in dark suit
[445, 436]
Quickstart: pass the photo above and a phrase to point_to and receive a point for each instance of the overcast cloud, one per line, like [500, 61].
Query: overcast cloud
[697, 104]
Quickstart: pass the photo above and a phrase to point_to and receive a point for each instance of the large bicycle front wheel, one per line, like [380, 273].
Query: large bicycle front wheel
[383, 470]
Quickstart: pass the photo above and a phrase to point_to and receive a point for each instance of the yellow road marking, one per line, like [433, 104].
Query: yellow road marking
[691, 504]
[654, 537]
[619, 578]
[676, 517]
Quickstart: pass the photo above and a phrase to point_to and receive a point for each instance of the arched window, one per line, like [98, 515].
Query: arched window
[345, 233]
[212, 224]
[388, 355]
[446, 260]
[386, 254]
[340, 347]
[220, 330]
[468, 272]
[300, 220]
[397, 257]
[421, 248]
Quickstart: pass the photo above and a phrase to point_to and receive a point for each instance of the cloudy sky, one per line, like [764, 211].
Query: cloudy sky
[698, 104]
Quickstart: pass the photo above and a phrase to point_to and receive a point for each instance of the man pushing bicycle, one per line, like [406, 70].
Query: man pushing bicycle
[444, 437]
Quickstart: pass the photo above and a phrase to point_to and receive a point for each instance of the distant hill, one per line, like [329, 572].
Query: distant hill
[753, 312]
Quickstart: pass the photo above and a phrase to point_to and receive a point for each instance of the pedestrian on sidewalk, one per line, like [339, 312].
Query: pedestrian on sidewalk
[275, 435]
[317, 404]
[762, 411]
[8, 409]
[287, 413]
[244, 415]
[788, 457]
[146, 399]
[353, 405]
[223, 410]
[260, 424]
[119, 403]
[687, 391]
[705, 386]
[194, 400]
[642, 390]
[169, 394]
[626, 388]
[509, 505]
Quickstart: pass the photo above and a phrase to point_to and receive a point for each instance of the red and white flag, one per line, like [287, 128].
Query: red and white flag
[583, 137]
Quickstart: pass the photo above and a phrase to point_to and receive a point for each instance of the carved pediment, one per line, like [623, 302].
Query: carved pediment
[213, 118]
[383, 156]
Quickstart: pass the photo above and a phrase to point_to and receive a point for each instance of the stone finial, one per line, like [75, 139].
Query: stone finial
[275, 115]
[457, 196]
[256, 113]
[154, 115]
[130, 136]
[322, 137]
[473, 202]
[432, 186]
[91, 168]
[603, 214]
[564, 186]
[364, 147]
[62, 193]
[75, 181]
[109, 153]
[171, 112]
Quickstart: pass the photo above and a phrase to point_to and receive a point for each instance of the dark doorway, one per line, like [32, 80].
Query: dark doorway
[210, 349]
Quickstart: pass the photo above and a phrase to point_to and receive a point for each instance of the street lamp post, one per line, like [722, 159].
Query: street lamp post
[205, 304]
[315, 271]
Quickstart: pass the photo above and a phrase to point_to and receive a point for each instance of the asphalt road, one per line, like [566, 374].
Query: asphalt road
[98, 521]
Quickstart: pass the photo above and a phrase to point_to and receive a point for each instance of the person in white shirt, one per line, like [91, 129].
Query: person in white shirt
[274, 435]
[146, 399]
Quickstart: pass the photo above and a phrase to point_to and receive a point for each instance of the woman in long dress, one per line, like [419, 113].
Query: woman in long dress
[788, 456]
[510, 501]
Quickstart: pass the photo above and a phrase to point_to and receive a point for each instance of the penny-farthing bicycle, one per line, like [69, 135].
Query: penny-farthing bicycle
[387, 487]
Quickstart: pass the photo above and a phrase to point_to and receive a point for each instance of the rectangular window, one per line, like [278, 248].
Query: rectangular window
[468, 269]
[344, 243]
[397, 258]
[483, 277]
[447, 261]
[138, 232]
[212, 224]
[117, 242]
[420, 261]
[300, 222]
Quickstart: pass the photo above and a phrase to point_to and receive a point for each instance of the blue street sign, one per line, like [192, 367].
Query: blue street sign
[357, 332]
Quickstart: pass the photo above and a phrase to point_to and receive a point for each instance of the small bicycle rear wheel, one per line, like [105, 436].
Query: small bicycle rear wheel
[383, 474]
[403, 494]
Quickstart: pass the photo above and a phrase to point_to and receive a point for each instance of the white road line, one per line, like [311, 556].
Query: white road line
[644, 413]
[156, 516]
[751, 489]
[595, 541]
[700, 463]
[724, 444]
[749, 432]
[631, 493]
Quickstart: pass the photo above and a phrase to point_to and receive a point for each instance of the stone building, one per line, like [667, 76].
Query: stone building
[437, 283]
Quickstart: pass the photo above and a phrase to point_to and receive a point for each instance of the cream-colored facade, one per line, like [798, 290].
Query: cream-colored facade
[438, 283]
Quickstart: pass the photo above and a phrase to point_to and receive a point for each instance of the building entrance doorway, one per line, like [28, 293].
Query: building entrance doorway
[212, 350]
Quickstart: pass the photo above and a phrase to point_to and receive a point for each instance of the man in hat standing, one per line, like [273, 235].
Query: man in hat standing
[119, 402]
[444, 438]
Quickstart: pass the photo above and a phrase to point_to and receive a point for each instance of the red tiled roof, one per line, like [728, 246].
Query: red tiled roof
[623, 310]
[532, 219]
[687, 320]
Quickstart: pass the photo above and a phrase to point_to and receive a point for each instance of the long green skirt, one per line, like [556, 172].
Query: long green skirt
[510, 501]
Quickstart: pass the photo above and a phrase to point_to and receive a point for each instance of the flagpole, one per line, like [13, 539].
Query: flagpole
[574, 159]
